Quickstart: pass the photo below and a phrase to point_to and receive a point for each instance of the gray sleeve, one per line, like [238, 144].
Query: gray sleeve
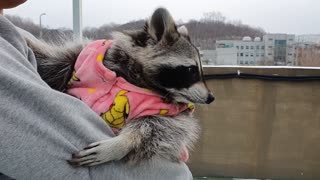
[40, 128]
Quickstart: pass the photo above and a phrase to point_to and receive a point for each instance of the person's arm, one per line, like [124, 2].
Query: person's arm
[40, 128]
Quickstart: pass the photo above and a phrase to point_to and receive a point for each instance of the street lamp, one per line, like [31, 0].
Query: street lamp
[42, 14]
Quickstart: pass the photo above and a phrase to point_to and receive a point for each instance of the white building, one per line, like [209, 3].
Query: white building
[247, 52]
[308, 38]
[226, 56]
[280, 48]
[275, 48]
[208, 56]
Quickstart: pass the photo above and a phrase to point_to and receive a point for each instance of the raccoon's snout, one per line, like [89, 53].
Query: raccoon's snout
[197, 93]
[210, 98]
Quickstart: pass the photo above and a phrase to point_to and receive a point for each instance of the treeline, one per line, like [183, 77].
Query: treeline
[49, 35]
[204, 32]
[215, 26]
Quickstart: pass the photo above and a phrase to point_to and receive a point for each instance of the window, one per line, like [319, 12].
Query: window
[241, 47]
[221, 45]
[251, 62]
[262, 47]
[241, 54]
[228, 45]
[258, 47]
[290, 54]
[290, 39]
[247, 54]
[246, 62]
[280, 43]
[270, 47]
[247, 47]
[251, 47]
[270, 39]
[251, 54]
[237, 47]
[241, 62]
[270, 54]
[257, 54]
[262, 54]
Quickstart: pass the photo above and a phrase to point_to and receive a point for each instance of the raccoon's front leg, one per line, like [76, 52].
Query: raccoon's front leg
[104, 151]
[166, 137]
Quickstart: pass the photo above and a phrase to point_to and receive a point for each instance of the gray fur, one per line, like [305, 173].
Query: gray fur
[55, 63]
[163, 136]
[138, 56]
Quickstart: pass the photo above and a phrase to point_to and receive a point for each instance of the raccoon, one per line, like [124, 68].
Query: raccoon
[159, 57]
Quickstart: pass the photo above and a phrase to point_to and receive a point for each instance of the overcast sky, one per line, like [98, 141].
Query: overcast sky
[274, 16]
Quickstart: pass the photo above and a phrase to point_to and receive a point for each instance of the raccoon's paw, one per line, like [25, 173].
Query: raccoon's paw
[100, 152]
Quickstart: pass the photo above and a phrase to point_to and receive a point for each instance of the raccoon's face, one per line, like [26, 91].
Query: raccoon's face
[174, 64]
[161, 57]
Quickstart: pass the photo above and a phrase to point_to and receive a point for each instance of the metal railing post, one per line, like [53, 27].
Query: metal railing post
[77, 19]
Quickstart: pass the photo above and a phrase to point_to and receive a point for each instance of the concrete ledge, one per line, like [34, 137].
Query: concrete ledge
[264, 70]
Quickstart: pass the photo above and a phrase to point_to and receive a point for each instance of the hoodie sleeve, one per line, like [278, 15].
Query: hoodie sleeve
[40, 128]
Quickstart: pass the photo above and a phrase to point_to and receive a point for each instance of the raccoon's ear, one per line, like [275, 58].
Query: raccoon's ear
[162, 27]
[183, 30]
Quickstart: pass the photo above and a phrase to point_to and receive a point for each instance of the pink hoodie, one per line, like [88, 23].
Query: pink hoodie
[113, 98]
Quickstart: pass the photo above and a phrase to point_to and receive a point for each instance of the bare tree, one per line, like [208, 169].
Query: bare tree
[213, 16]
[214, 26]
[204, 33]
[308, 56]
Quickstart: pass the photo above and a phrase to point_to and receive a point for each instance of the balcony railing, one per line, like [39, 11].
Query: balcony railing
[260, 127]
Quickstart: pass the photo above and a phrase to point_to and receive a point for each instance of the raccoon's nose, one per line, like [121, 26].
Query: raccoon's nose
[210, 98]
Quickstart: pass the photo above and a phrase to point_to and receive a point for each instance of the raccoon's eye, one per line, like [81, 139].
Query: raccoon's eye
[177, 77]
[192, 69]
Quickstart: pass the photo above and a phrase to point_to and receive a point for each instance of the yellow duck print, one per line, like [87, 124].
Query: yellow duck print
[119, 111]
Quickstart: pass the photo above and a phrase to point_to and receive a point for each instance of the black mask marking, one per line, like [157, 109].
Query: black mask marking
[178, 77]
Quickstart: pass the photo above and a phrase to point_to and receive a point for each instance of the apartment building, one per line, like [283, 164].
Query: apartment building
[280, 48]
[273, 49]
[308, 38]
